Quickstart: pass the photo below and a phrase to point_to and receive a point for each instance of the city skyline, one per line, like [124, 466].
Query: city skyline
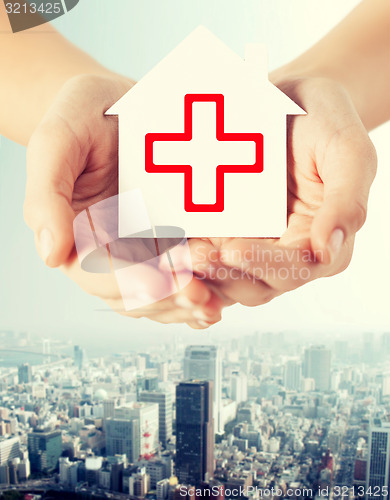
[305, 413]
[353, 301]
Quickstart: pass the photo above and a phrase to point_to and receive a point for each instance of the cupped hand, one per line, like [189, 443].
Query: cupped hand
[331, 166]
[72, 164]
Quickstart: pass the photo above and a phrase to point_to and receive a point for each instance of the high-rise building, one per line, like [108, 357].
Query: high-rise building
[93, 466]
[148, 416]
[123, 437]
[24, 374]
[146, 384]
[239, 387]
[385, 343]
[378, 463]
[162, 489]
[68, 472]
[194, 432]
[79, 357]
[316, 365]
[9, 449]
[4, 474]
[139, 483]
[158, 469]
[140, 363]
[368, 348]
[163, 372]
[117, 468]
[46, 349]
[44, 450]
[164, 401]
[204, 363]
[292, 375]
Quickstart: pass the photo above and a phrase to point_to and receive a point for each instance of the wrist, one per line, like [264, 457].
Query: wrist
[294, 76]
[304, 88]
[48, 89]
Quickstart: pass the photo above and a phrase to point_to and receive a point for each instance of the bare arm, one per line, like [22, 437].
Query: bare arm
[53, 96]
[356, 53]
[34, 66]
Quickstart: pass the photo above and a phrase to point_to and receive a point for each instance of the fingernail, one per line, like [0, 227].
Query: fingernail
[46, 244]
[184, 301]
[204, 324]
[198, 314]
[336, 242]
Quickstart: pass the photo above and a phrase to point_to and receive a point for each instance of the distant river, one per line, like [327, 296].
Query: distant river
[11, 358]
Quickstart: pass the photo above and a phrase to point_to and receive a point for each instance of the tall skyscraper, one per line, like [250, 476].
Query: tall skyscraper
[24, 374]
[44, 450]
[293, 375]
[239, 387]
[79, 357]
[46, 349]
[164, 401]
[316, 365]
[123, 438]
[194, 432]
[378, 464]
[385, 343]
[163, 372]
[204, 363]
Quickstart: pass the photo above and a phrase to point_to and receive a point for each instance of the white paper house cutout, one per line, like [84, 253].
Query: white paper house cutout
[235, 163]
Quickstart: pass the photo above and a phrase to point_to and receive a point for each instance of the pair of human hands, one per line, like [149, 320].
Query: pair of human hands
[72, 164]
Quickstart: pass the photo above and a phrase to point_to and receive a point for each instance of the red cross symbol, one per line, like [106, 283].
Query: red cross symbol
[187, 137]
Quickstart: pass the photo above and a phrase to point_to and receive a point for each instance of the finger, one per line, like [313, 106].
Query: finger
[238, 285]
[240, 279]
[102, 285]
[168, 312]
[195, 303]
[347, 171]
[210, 312]
[178, 315]
[194, 295]
[204, 255]
[233, 284]
[51, 158]
[243, 287]
[277, 267]
[198, 325]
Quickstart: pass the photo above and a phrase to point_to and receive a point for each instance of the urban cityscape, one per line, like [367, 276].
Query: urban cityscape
[260, 415]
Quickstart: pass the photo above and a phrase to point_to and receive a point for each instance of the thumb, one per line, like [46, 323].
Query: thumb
[347, 172]
[49, 190]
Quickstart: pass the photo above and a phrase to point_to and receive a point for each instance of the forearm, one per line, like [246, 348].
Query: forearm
[34, 66]
[356, 53]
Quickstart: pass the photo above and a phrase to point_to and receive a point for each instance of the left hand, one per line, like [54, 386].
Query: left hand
[331, 166]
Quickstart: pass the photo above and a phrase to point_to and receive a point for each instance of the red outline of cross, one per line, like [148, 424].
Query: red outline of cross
[221, 170]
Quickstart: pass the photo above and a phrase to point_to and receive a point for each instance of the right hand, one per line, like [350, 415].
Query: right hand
[331, 164]
[72, 164]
